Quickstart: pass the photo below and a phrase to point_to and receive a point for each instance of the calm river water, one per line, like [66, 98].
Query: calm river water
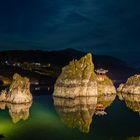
[72, 120]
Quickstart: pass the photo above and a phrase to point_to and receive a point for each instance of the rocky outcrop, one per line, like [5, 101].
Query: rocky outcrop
[2, 105]
[17, 111]
[131, 86]
[77, 79]
[76, 113]
[3, 96]
[105, 87]
[130, 93]
[18, 92]
[4, 81]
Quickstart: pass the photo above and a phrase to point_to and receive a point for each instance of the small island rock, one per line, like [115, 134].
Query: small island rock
[105, 87]
[77, 79]
[18, 92]
[132, 85]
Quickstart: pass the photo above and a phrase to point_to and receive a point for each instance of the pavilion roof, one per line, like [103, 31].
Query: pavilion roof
[101, 71]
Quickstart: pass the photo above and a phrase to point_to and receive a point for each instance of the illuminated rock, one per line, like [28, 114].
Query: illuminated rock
[5, 80]
[77, 79]
[131, 86]
[105, 86]
[130, 93]
[18, 92]
[76, 113]
[3, 95]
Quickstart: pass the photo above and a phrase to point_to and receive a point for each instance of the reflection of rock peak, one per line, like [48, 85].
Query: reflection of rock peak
[17, 111]
[76, 113]
[132, 101]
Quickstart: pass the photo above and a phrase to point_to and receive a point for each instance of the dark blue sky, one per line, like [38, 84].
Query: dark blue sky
[102, 26]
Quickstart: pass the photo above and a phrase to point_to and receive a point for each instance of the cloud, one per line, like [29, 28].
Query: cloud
[110, 27]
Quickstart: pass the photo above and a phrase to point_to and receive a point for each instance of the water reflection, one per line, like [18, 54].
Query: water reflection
[102, 103]
[17, 111]
[134, 138]
[78, 112]
[132, 101]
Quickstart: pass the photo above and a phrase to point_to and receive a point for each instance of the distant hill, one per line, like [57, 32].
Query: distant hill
[118, 69]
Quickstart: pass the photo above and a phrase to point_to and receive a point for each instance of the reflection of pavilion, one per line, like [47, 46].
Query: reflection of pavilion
[101, 74]
[17, 111]
[102, 103]
[100, 110]
[78, 112]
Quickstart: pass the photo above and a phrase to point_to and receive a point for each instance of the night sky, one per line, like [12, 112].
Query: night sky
[109, 27]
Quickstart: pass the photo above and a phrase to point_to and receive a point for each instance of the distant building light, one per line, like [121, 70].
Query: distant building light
[49, 65]
[37, 64]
